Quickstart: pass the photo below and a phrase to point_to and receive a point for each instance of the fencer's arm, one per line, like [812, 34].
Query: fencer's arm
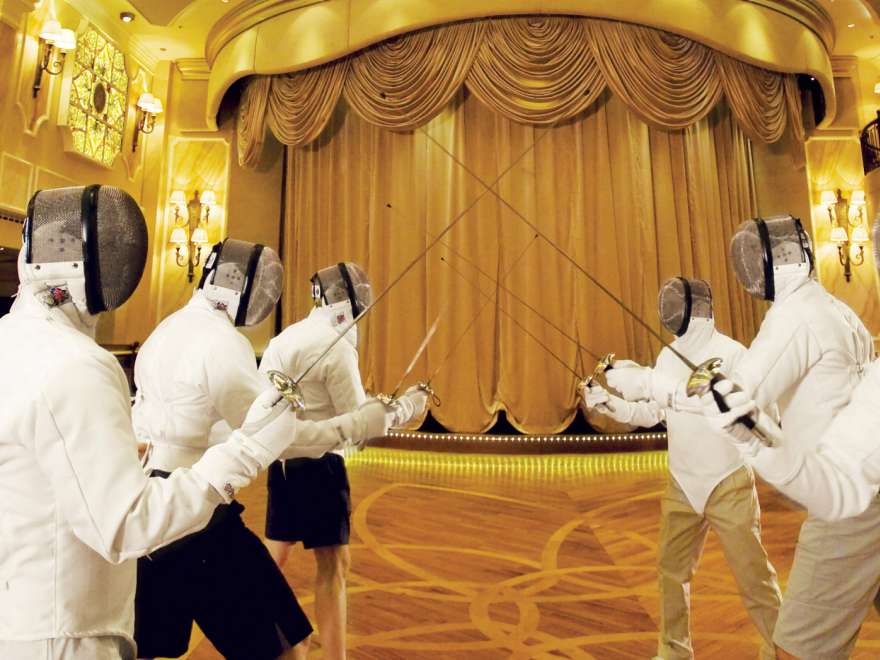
[343, 378]
[85, 446]
[840, 477]
[316, 438]
[778, 357]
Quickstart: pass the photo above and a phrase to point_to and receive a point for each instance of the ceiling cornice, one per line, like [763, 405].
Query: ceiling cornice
[11, 11]
[96, 13]
[844, 66]
[244, 17]
[809, 14]
[193, 68]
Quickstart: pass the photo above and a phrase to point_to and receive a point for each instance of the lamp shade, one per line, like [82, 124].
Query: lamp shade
[828, 198]
[156, 107]
[860, 235]
[178, 197]
[857, 198]
[51, 31]
[838, 235]
[145, 101]
[208, 197]
[200, 236]
[67, 41]
[178, 236]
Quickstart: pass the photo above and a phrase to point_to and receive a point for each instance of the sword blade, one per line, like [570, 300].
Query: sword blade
[473, 321]
[539, 341]
[420, 256]
[562, 252]
[417, 355]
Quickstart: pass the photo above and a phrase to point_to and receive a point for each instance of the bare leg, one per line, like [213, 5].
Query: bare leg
[280, 551]
[330, 598]
[298, 652]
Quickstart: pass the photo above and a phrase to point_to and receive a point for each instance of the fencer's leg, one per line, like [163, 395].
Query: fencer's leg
[298, 652]
[784, 655]
[734, 513]
[330, 598]
[280, 551]
[682, 536]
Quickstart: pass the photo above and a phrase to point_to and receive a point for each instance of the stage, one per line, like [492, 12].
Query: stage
[515, 556]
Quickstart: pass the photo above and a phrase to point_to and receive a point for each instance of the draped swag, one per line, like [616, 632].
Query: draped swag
[534, 70]
[633, 203]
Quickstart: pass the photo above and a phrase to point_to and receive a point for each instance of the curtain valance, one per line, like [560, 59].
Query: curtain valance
[536, 70]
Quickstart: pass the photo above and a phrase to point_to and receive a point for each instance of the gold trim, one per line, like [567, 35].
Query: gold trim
[791, 36]
[809, 14]
[244, 17]
[193, 68]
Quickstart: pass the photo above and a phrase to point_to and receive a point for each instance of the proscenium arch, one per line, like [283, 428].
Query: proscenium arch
[789, 36]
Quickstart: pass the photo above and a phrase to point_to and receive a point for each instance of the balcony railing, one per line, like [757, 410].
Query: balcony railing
[870, 141]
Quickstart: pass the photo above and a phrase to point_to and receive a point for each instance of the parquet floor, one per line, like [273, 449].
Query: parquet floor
[483, 556]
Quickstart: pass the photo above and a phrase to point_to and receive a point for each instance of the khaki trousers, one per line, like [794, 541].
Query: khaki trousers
[831, 587]
[734, 514]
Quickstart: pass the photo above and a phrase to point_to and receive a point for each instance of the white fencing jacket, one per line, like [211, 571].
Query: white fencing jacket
[810, 353]
[75, 504]
[333, 387]
[699, 456]
[197, 376]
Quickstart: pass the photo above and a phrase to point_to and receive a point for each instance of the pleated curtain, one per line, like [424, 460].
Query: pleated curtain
[630, 202]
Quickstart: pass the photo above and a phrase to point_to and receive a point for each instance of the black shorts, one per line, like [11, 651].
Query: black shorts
[224, 579]
[309, 501]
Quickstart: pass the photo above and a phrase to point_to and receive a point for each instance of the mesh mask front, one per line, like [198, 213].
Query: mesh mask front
[101, 227]
[681, 300]
[345, 282]
[759, 249]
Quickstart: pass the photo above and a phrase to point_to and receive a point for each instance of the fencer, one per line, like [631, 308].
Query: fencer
[75, 504]
[309, 500]
[807, 358]
[839, 477]
[709, 485]
[196, 375]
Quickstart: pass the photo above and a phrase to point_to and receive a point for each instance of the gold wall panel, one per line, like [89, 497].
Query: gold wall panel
[16, 175]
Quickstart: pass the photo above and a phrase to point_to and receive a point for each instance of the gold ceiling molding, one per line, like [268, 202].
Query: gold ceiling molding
[787, 36]
[193, 68]
[11, 11]
[246, 16]
[809, 14]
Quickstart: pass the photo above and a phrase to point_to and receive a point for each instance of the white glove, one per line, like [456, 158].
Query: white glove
[740, 404]
[631, 379]
[409, 405]
[269, 427]
[645, 414]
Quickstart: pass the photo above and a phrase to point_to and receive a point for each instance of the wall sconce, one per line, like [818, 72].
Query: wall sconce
[190, 228]
[848, 230]
[55, 43]
[148, 108]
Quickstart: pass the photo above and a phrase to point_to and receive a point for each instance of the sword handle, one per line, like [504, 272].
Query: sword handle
[426, 387]
[753, 424]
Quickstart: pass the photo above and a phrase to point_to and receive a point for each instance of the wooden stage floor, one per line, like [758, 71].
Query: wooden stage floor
[489, 556]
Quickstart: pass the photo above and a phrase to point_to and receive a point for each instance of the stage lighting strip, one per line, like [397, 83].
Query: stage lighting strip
[535, 467]
[598, 438]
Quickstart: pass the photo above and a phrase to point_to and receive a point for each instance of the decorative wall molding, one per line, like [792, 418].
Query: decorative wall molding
[16, 182]
[12, 11]
[808, 13]
[99, 15]
[193, 68]
[844, 66]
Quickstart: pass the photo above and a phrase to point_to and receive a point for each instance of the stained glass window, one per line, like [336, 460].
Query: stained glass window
[98, 96]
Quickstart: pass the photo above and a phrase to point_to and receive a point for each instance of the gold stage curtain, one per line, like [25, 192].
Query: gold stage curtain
[631, 203]
[404, 82]
[537, 70]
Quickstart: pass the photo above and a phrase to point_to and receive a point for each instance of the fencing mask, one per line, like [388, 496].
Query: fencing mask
[762, 250]
[244, 279]
[88, 244]
[681, 300]
[342, 291]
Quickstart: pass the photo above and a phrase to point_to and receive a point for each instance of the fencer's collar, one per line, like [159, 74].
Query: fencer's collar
[31, 300]
[200, 301]
[699, 333]
[786, 283]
